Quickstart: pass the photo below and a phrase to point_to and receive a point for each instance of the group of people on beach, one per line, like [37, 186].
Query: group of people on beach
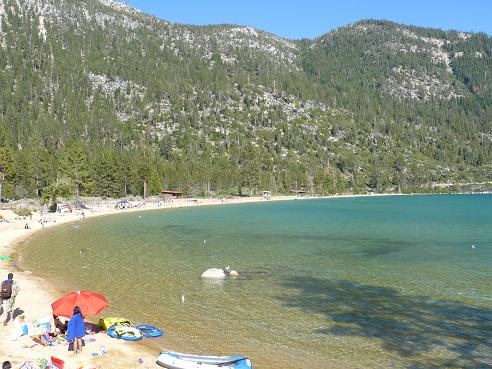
[74, 328]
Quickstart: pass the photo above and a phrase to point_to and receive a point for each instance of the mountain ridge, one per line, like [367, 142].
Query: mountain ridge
[374, 105]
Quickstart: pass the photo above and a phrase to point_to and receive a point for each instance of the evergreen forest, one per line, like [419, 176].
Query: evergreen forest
[99, 99]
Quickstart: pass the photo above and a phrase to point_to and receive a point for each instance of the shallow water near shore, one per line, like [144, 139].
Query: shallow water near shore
[383, 282]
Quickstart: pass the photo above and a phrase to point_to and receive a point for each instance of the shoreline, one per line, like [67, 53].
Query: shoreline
[36, 303]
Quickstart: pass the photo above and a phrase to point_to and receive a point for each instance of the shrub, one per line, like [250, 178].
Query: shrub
[23, 212]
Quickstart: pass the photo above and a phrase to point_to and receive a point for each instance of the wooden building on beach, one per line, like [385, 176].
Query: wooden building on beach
[169, 195]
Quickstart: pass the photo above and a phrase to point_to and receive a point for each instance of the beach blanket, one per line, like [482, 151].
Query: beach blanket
[76, 328]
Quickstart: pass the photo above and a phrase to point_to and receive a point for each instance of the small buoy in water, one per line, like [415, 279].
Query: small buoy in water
[473, 246]
[139, 217]
[182, 298]
[204, 241]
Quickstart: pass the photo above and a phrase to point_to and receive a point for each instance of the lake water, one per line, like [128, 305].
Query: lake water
[381, 282]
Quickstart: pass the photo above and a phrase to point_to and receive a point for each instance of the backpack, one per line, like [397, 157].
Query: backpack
[6, 291]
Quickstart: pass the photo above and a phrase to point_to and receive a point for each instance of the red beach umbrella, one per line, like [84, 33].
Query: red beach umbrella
[90, 303]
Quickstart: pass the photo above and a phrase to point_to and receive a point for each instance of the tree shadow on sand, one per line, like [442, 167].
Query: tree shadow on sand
[408, 326]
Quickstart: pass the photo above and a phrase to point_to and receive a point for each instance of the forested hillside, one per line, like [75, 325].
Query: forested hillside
[97, 99]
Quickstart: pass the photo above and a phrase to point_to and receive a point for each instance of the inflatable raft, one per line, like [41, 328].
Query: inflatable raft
[176, 360]
[149, 330]
[125, 333]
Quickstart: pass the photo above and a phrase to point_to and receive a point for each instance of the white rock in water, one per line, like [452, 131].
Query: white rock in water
[213, 273]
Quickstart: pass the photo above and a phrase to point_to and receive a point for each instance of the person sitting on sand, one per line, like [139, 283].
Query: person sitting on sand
[76, 330]
[57, 327]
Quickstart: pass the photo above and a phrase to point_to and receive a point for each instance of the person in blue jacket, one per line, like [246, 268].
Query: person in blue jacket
[76, 330]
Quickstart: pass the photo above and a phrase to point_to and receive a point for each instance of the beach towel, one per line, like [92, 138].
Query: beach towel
[60, 338]
[45, 340]
[38, 364]
[76, 328]
[30, 365]
[40, 341]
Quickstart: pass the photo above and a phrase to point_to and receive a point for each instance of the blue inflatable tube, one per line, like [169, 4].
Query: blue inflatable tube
[125, 333]
[149, 330]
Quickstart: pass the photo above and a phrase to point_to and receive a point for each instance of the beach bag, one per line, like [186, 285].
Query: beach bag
[57, 363]
[70, 345]
[6, 291]
[106, 322]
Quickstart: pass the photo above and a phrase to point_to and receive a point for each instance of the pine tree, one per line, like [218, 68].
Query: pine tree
[74, 165]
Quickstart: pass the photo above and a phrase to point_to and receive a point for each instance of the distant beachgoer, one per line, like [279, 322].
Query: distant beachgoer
[8, 292]
[76, 330]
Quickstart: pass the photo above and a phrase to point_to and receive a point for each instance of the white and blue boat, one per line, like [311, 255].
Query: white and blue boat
[176, 360]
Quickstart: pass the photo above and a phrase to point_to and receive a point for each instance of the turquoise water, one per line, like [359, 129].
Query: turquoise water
[382, 282]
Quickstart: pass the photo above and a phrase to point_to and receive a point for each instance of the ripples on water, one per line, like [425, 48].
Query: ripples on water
[367, 282]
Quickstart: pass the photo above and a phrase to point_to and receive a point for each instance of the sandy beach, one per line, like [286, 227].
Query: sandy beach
[36, 294]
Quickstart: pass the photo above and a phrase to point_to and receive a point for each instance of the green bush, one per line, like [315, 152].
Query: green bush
[23, 212]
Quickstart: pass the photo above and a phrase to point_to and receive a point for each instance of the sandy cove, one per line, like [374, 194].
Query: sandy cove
[36, 294]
